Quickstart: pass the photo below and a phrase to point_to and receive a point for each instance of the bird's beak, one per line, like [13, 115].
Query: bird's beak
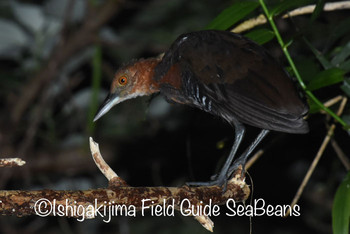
[110, 101]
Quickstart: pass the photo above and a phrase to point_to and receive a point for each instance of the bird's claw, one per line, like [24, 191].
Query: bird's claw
[236, 165]
[221, 179]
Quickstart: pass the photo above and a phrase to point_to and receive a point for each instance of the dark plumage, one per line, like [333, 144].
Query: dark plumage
[224, 74]
[230, 76]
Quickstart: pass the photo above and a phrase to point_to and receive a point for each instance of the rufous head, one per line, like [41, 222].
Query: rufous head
[130, 81]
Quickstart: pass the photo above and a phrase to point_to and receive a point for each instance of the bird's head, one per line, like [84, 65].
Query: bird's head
[130, 81]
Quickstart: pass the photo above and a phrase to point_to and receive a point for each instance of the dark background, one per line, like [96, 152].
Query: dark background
[147, 141]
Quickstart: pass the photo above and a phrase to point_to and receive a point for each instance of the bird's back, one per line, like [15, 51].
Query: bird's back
[230, 76]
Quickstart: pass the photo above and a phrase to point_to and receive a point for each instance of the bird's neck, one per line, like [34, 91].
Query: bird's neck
[146, 85]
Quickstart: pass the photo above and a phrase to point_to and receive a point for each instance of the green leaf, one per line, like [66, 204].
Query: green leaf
[345, 65]
[341, 208]
[320, 57]
[260, 36]
[308, 67]
[326, 78]
[342, 55]
[288, 5]
[232, 15]
[341, 29]
[318, 10]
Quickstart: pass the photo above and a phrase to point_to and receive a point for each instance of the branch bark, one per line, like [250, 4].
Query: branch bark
[11, 162]
[23, 203]
[120, 199]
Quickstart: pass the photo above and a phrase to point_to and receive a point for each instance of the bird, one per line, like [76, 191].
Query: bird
[224, 74]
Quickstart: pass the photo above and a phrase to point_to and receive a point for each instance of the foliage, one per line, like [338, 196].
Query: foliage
[341, 207]
[316, 46]
[232, 15]
[335, 69]
[336, 66]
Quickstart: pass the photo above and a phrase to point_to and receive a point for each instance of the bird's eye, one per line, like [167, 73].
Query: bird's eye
[123, 80]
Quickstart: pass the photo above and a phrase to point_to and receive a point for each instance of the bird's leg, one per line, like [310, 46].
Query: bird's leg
[221, 178]
[243, 158]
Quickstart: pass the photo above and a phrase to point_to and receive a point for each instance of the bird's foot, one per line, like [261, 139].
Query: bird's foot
[236, 165]
[218, 180]
[222, 179]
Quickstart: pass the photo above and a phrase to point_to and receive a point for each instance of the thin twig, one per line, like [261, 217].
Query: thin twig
[342, 106]
[341, 155]
[254, 158]
[205, 221]
[100, 162]
[261, 19]
[107, 171]
[311, 168]
[316, 159]
[333, 101]
[11, 162]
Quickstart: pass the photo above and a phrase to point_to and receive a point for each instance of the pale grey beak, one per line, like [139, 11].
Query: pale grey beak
[108, 103]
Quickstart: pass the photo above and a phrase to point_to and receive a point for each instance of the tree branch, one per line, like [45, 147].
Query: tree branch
[121, 199]
[11, 162]
[261, 19]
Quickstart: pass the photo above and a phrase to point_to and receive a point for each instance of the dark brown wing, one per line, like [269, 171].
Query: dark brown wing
[230, 76]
